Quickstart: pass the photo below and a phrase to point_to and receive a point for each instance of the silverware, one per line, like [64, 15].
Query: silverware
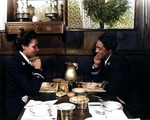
[49, 110]
[94, 105]
[96, 96]
[100, 112]
[100, 100]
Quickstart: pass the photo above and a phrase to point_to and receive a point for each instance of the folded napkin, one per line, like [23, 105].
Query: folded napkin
[97, 112]
[38, 110]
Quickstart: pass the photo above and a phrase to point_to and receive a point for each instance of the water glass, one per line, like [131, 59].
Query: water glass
[66, 112]
[82, 103]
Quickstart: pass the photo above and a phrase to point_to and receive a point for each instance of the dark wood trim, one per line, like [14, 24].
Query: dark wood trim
[2, 31]
[86, 30]
[73, 54]
[7, 53]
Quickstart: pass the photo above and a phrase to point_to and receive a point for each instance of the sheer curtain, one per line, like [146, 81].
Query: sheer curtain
[3, 14]
[77, 17]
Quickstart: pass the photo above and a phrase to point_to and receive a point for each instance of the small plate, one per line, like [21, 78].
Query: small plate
[78, 90]
[76, 100]
[111, 106]
[68, 104]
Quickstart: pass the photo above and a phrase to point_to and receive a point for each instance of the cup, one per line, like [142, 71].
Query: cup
[82, 105]
[82, 101]
[66, 112]
[79, 81]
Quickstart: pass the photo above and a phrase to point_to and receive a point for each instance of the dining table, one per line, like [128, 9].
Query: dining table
[78, 114]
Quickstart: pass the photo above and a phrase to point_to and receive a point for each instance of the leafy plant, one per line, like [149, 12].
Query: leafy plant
[105, 12]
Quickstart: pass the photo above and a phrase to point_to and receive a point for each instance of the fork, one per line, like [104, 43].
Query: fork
[96, 96]
[49, 110]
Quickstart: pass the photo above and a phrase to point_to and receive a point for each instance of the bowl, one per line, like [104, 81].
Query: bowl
[91, 85]
[70, 94]
[111, 106]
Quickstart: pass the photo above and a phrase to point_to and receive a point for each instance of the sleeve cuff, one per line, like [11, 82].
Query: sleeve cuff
[94, 67]
[39, 73]
[95, 71]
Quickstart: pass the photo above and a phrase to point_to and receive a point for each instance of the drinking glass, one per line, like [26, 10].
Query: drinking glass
[66, 112]
[82, 100]
[79, 81]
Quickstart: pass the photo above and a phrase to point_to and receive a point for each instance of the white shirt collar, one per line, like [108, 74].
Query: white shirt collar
[107, 59]
[25, 57]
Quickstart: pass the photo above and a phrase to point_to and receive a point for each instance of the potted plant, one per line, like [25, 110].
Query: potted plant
[106, 12]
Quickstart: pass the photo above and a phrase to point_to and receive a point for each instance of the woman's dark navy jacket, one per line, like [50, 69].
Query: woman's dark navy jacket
[21, 79]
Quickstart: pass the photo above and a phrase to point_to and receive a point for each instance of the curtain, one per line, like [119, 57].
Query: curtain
[3, 14]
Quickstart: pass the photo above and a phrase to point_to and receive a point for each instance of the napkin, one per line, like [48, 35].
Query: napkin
[33, 103]
[32, 108]
[97, 112]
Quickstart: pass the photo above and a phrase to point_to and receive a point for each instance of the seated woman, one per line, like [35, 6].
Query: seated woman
[23, 75]
[115, 73]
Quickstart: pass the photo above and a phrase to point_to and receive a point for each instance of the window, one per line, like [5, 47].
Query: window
[78, 19]
[3, 14]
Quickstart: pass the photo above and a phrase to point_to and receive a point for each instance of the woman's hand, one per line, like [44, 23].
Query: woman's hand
[96, 61]
[36, 63]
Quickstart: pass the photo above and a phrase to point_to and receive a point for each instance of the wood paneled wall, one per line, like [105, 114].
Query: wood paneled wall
[81, 42]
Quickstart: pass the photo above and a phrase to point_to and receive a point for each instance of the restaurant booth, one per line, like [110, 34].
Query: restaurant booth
[61, 41]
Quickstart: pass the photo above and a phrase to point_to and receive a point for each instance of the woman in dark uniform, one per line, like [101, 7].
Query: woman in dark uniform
[23, 76]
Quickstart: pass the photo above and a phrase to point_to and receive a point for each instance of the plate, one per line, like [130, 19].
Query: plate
[76, 99]
[78, 90]
[111, 106]
[39, 110]
[90, 118]
[68, 104]
[60, 93]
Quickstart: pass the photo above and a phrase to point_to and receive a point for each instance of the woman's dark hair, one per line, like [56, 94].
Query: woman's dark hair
[24, 38]
[109, 41]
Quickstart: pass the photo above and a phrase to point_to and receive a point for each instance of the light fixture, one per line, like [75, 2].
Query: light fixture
[51, 10]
